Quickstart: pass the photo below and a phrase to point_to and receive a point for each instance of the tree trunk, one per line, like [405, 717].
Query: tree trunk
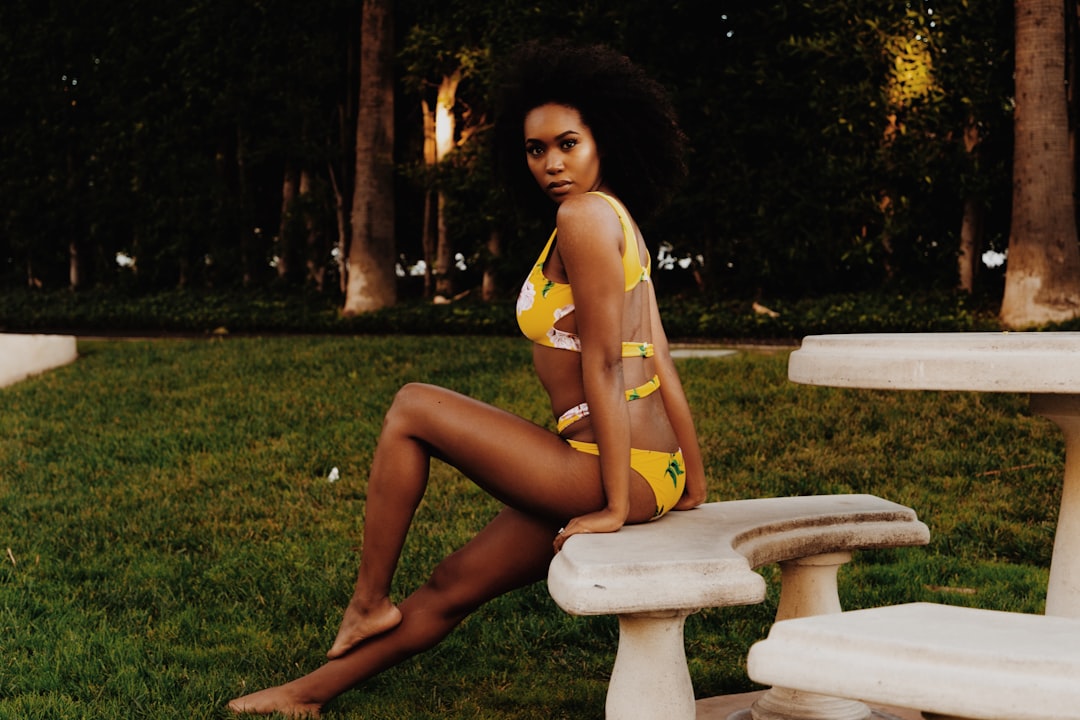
[489, 287]
[444, 260]
[971, 225]
[1042, 279]
[250, 255]
[74, 266]
[32, 281]
[1072, 100]
[342, 222]
[429, 240]
[286, 252]
[74, 258]
[445, 134]
[372, 283]
[429, 232]
[315, 244]
[971, 230]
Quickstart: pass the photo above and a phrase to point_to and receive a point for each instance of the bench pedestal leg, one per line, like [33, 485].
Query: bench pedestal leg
[807, 587]
[650, 678]
[1062, 597]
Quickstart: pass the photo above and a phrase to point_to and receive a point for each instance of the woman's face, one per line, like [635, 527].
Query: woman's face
[561, 151]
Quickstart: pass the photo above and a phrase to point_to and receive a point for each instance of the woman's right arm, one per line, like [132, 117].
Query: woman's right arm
[678, 411]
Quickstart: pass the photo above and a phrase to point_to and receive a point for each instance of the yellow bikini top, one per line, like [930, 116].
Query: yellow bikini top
[543, 302]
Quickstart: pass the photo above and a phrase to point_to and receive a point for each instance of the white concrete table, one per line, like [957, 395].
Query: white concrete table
[948, 661]
[1044, 365]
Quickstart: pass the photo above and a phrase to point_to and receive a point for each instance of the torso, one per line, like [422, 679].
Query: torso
[545, 315]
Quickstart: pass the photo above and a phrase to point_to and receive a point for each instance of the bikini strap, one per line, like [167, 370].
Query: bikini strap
[581, 411]
[629, 237]
[645, 389]
[637, 349]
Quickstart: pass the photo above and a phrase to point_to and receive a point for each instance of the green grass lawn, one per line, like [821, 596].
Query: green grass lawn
[170, 537]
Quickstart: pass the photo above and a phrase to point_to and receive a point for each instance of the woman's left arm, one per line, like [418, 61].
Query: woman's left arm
[678, 411]
[589, 246]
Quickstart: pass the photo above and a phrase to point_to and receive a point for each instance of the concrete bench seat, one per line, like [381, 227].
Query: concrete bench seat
[940, 659]
[652, 576]
[24, 355]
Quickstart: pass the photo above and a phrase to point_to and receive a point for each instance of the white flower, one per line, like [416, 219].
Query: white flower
[334, 475]
[992, 259]
[526, 297]
[564, 340]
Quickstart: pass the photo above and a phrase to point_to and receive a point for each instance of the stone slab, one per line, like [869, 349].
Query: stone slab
[693, 351]
[1026, 362]
[24, 355]
[944, 659]
[706, 557]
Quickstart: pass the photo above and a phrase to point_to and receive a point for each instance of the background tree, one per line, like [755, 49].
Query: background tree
[210, 140]
[371, 281]
[1042, 283]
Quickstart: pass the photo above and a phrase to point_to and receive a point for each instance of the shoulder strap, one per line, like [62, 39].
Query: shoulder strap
[629, 238]
[547, 248]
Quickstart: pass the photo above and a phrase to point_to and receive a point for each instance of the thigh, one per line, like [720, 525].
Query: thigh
[518, 462]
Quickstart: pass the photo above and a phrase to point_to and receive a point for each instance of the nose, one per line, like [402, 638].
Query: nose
[554, 163]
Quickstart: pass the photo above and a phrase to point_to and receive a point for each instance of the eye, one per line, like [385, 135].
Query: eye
[534, 149]
[568, 144]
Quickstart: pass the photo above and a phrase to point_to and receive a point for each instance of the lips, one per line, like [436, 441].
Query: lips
[559, 187]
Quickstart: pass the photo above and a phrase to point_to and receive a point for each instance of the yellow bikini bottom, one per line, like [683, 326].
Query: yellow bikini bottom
[664, 471]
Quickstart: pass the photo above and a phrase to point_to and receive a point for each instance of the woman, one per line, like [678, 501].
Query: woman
[598, 138]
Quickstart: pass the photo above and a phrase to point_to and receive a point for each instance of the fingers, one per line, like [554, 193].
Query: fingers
[597, 522]
[565, 533]
[560, 539]
[686, 503]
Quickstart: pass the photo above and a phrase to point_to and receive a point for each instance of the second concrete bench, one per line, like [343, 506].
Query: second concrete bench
[654, 575]
[940, 659]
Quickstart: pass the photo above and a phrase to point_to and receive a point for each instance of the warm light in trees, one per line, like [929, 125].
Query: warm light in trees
[911, 77]
[444, 129]
[444, 115]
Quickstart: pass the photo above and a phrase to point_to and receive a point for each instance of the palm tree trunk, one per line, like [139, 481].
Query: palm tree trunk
[372, 283]
[1042, 279]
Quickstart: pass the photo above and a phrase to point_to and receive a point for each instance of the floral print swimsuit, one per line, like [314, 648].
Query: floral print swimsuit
[543, 302]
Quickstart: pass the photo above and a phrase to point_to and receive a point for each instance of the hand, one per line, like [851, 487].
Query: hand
[686, 502]
[693, 495]
[602, 521]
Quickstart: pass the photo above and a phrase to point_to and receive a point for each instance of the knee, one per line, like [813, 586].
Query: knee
[410, 401]
[454, 595]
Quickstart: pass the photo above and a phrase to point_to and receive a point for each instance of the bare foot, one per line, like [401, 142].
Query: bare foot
[358, 625]
[274, 700]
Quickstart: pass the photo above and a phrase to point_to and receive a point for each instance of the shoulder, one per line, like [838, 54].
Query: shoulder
[588, 218]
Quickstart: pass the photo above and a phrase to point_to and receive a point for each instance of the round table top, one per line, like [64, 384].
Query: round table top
[1029, 362]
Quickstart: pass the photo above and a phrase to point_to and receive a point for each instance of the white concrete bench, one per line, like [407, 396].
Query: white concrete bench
[940, 659]
[24, 355]
[652, 576]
